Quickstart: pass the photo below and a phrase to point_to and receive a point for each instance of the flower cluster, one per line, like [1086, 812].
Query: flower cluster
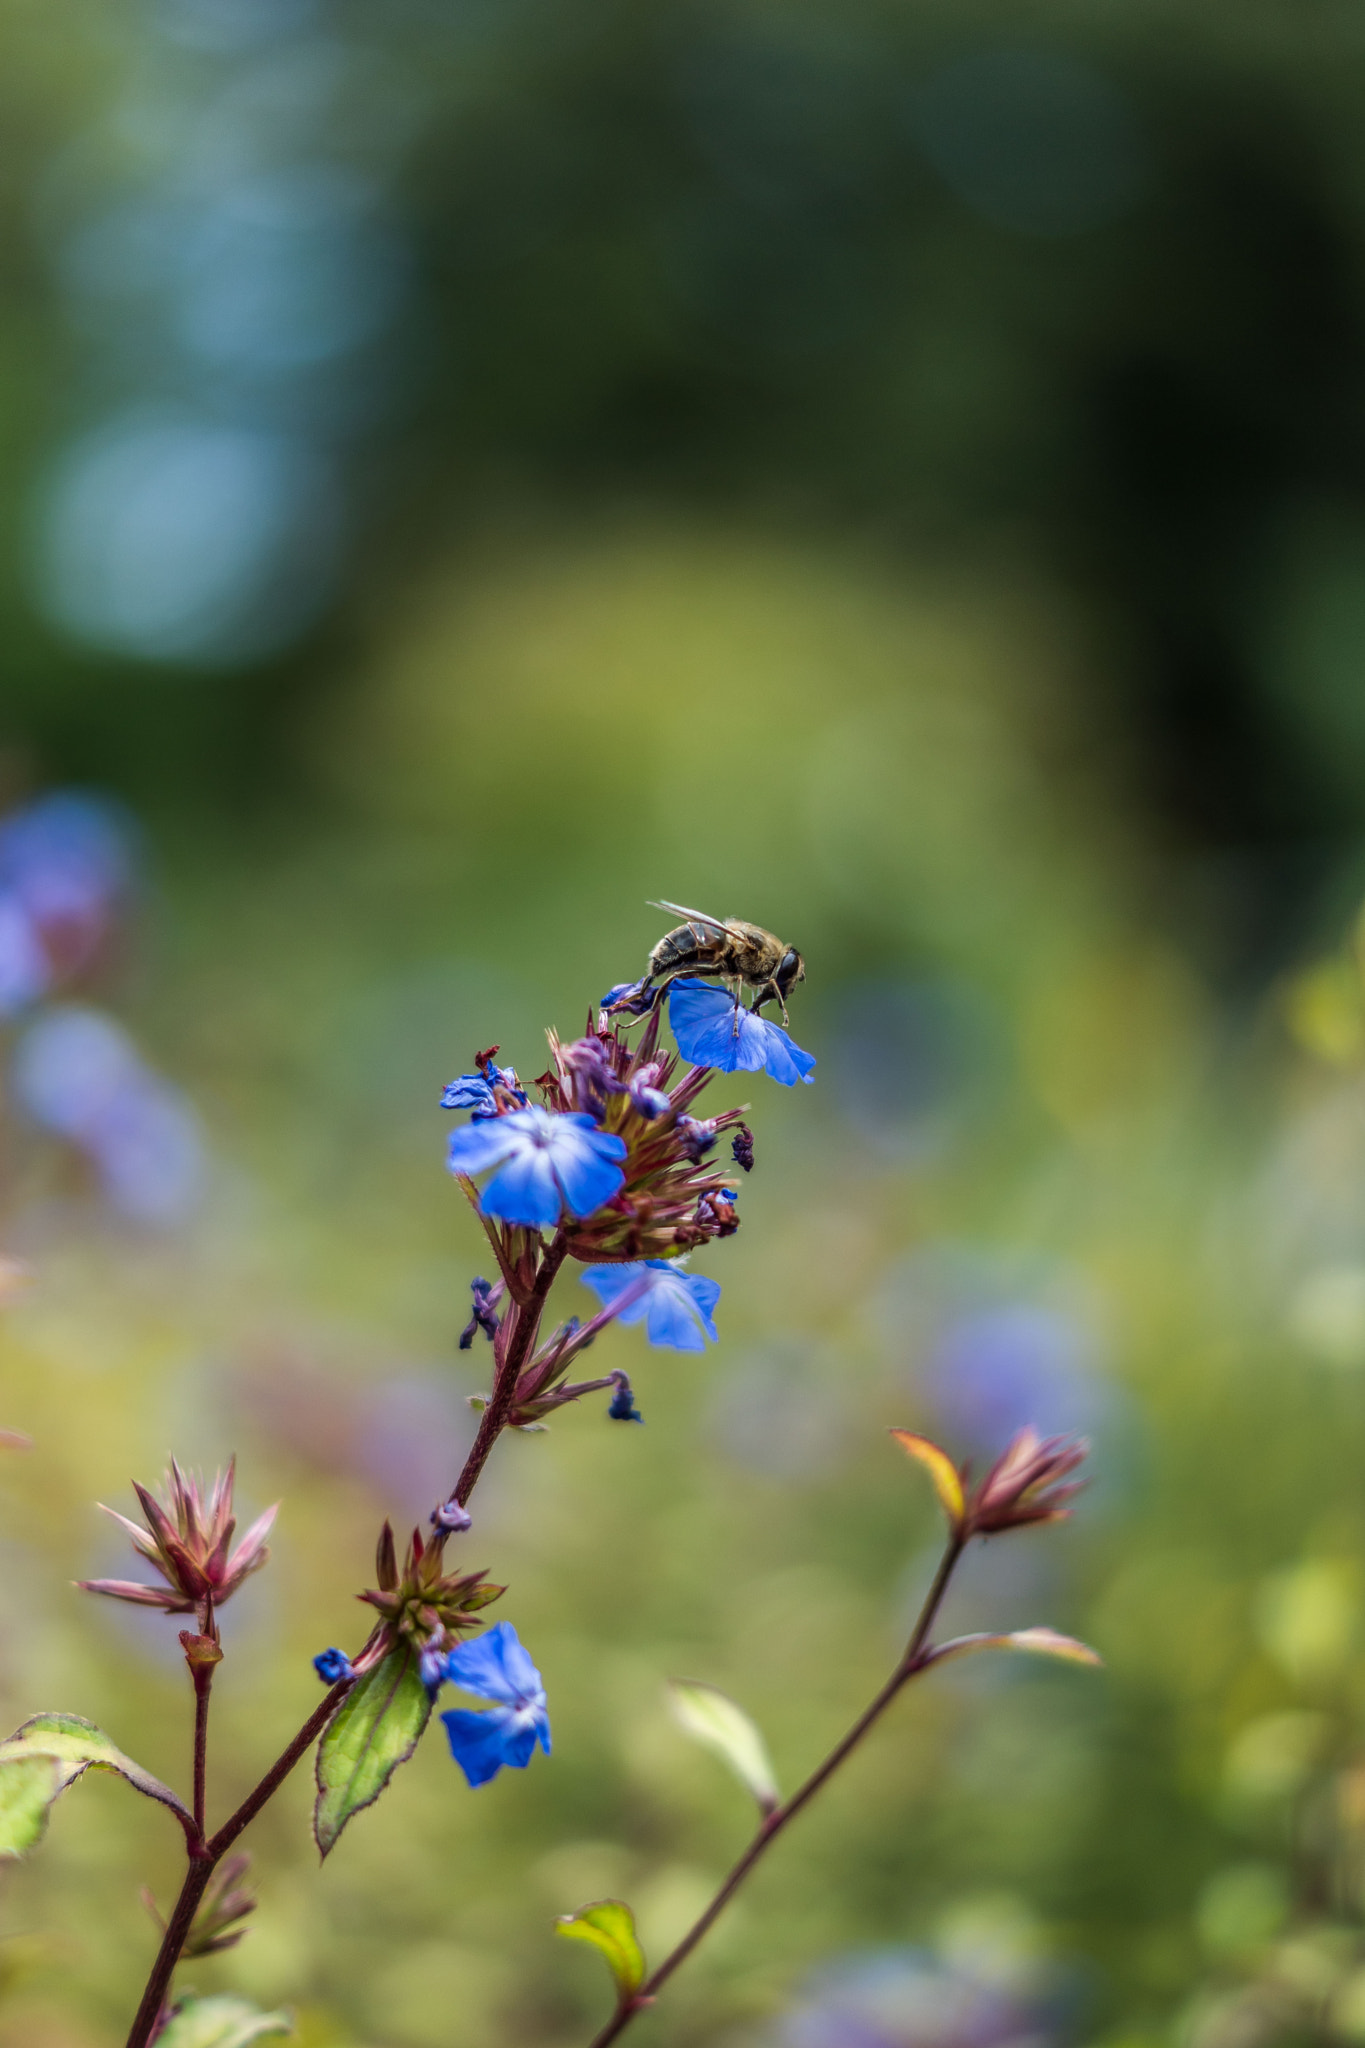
[615, 1157]
[188, 1540]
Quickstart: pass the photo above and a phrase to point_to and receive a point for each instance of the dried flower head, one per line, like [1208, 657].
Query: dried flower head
[188, 1541]
[1024, 1484]
[423, 1603]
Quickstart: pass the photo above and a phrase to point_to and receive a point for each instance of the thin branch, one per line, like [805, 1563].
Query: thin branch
[771, 1827]
[205, 1855]
[494, 1417]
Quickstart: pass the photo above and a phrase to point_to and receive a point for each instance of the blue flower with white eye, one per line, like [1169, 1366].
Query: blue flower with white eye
[495, 1667]
[713, 1030]
[675, 1307]
[548, 1165]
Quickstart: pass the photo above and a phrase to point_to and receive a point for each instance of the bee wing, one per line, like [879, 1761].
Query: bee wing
[693, 916]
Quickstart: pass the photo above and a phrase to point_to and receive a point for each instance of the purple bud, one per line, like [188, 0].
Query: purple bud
[332, 1666]
[451, 1517]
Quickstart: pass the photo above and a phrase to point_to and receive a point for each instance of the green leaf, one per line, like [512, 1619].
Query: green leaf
[712, 1718]
[610, 1927]
[45, 1756]
[374, 1730]
[220, 2023]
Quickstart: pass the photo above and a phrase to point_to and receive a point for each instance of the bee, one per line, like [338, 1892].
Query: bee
[725, 949]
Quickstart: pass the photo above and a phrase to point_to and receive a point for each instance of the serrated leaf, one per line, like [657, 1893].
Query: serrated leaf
[1044, 1642]
[221, 2023]
[712, 1718]
[375, 1729]
[46, 1755]
[609, 1925]
[941, 1469]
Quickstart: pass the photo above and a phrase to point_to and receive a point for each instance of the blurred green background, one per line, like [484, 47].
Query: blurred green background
[894, 474]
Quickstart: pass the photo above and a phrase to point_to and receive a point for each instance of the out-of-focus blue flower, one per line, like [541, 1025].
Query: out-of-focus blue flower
[675, 1308]
[496, 1667]
[65, 862]
[713, 1030]
[621, 1407]
[547, 1165]
[332, 1665]
[78, 1074]
[469, 1091]
[903, 1998]
[25, 970]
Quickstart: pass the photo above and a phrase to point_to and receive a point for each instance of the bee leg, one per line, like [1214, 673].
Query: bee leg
[738, 994]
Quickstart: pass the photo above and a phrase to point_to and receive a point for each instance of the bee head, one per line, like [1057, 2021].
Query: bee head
[792, 970]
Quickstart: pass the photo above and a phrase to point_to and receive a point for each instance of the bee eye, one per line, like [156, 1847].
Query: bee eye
[791, 960]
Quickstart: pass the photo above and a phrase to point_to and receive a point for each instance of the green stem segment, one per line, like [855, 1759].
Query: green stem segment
[773, 1823]
[204, 1854]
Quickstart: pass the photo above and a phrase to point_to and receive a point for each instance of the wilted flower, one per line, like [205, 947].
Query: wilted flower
[714, 1030]
[675, 1306]
[496, 1667]
[742, 1148]
[423, 1601]
[621, 1407]
[488, 1091]
[548, 1165]
[187, 1540]
[487, 1294]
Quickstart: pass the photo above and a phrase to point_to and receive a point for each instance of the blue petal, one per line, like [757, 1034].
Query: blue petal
[585, 1162]
[476, 1146]
[519, 1740]
[478, 1742]
[712, 1030]
[495, 1666]
[673, 1324]
[524, 1191]
[468, 1091]
[609, 1283]
[785, 1061]
[705, 1294]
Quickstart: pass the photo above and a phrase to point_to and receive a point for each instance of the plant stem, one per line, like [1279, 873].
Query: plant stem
[519, 1349]
[205, 1855]
[203, 1688]
[177, 1931]
[773, 1823]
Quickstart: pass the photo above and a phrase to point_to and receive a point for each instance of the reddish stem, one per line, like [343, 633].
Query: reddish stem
[773, 1823]
[204, 1856]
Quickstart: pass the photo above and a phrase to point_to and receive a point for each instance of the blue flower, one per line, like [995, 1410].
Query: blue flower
[496, 1668]
[469, 1091]
[332, 1665]
[713, 1030]
[675, 1307]
[547, 1165]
